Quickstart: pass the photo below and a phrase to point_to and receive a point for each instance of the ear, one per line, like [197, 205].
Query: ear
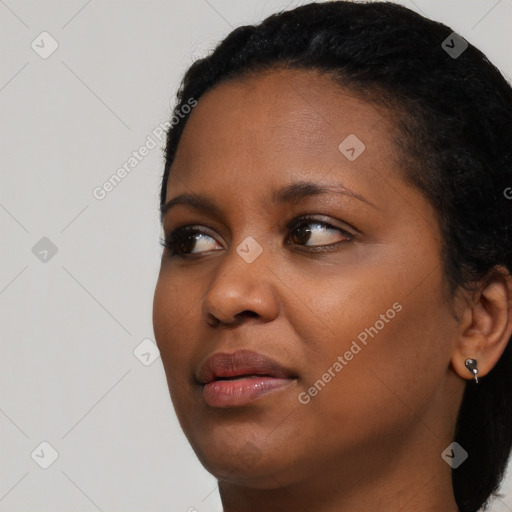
[485, 324]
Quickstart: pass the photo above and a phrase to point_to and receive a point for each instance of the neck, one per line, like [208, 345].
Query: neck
[387, 479]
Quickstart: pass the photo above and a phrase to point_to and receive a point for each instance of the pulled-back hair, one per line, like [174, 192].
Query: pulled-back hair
[453, 120]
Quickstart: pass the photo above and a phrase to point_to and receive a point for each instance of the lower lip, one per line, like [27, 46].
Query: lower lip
[238, 392]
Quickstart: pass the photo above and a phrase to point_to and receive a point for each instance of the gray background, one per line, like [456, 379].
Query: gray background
[73, 372]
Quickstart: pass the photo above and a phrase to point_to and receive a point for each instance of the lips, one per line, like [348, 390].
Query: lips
[242, 363]
[241, 378]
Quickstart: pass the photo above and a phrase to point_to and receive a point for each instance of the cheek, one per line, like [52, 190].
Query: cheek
[173, 315]
[387, 307]
[174, 312]
[395, 350]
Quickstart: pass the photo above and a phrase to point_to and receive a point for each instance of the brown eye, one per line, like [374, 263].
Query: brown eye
[182, 241]
[318, 232]
[185, 243]
[302, 234]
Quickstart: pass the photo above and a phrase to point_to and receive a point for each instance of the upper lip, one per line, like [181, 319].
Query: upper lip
[242, 362]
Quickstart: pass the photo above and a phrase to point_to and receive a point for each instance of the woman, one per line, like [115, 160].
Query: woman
[334, 305]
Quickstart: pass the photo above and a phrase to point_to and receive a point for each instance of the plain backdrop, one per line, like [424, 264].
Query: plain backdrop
[83, 84]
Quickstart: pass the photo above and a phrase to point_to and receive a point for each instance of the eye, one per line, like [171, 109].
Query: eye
[182, 240]
[319, 233]
[305, 231]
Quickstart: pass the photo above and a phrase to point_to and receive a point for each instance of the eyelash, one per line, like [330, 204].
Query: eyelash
[175, 237]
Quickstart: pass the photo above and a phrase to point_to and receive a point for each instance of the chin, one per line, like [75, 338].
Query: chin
[242, 462]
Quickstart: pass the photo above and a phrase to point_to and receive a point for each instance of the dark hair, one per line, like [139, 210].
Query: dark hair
[453, 120]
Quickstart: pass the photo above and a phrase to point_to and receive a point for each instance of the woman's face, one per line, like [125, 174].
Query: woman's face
[351, 301]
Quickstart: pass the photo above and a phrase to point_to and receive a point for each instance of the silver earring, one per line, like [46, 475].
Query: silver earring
[471, 366]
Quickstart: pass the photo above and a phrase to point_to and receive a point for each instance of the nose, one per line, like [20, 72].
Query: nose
[241, 289]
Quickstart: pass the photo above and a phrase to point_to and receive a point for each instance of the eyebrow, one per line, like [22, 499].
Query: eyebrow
[287, 194]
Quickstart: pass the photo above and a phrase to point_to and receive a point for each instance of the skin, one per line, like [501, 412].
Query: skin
[372, 438]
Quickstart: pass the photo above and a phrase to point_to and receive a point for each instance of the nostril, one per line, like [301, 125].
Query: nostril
[212, 321]
[247, 312]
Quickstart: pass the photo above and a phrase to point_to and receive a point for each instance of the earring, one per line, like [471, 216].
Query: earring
[471, 366]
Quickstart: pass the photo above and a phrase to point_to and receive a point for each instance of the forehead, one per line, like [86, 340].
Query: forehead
[278, 125]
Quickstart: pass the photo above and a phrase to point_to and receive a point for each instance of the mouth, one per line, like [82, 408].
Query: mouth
[239, 378]
[241, 390]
